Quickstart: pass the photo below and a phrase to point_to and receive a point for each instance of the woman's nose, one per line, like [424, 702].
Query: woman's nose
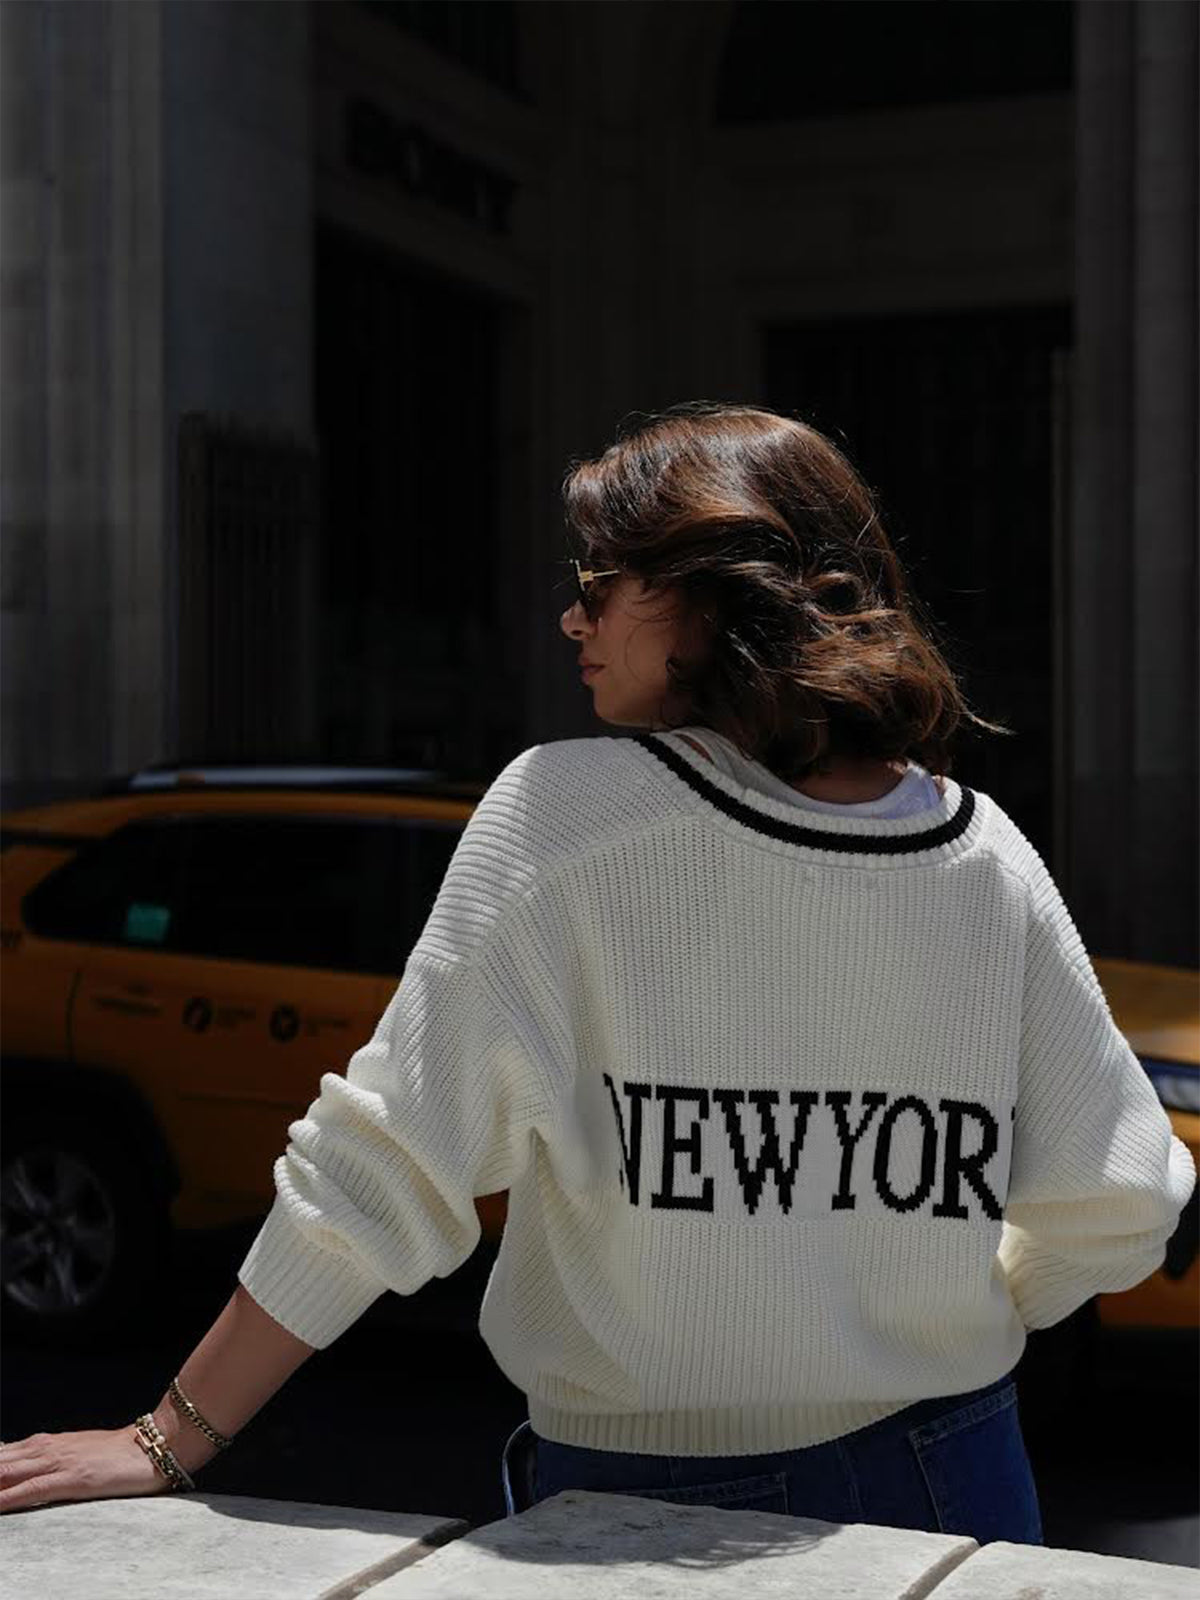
[574, 620]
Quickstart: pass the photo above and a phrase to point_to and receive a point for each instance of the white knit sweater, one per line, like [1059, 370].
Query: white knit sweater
[803, 1117]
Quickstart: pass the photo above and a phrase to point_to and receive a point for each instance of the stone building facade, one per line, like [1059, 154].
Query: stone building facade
[307, 306]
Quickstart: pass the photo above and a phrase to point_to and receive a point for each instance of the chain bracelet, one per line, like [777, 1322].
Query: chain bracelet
[183, 1404]
[152, 1440]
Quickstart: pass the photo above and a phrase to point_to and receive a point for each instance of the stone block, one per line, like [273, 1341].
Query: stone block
[209, 1547]
[1002, 1571]
[588, 1546]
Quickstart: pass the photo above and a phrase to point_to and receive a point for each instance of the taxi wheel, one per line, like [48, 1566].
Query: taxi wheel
[84, 1237]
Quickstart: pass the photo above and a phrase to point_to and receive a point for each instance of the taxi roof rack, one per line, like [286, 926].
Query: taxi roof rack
[208, 774]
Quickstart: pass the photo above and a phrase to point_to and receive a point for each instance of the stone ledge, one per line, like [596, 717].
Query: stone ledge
[210, 1547]
[587, 1545]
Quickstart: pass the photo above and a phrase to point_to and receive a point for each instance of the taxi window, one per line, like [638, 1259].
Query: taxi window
[292, 891]
[123, 890]
[423, 851]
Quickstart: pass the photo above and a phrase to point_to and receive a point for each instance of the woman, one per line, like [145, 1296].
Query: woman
[783, 1043]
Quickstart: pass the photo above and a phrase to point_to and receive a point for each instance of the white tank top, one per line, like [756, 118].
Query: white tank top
[916, 790]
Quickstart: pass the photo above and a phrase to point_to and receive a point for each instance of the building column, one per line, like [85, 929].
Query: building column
[155, 225]
[81, 233]
[1132, 560]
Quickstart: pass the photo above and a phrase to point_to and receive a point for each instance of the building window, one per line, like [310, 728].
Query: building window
[827, 58]
[483, 37]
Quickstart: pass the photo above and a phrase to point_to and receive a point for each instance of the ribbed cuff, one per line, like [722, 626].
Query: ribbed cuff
[313, 1293]
[1046, 1288]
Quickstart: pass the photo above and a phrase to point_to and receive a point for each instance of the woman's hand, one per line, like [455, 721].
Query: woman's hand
[101, 1463]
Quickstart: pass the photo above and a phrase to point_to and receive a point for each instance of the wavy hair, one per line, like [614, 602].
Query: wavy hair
[801, 638]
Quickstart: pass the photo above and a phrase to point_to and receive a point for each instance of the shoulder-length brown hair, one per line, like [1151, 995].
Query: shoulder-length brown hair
[803, 640]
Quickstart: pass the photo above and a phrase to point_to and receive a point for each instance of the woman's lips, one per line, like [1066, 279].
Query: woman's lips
[587, 672]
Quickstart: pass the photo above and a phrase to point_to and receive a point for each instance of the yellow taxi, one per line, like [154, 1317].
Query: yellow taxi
[1157, 1008]
[183, 955]
[186, 952]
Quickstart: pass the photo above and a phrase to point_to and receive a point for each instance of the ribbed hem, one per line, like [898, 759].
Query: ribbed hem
[313, 1293]
[735, 1431]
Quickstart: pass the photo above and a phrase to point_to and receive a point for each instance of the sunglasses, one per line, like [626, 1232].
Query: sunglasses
[584, 578]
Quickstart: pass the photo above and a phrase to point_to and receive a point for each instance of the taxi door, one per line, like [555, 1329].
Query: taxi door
[221, 966]
[289, 930]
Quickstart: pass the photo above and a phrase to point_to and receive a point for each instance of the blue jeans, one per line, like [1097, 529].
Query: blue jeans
[955, 1464]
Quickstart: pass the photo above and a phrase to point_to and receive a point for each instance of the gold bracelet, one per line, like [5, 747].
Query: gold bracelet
[152, 1440]
[183, 1404]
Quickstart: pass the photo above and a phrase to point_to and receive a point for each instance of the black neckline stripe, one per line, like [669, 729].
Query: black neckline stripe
[796, 833]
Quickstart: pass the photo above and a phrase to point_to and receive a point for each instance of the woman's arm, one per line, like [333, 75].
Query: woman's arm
[235, 1369]
[231, 1374]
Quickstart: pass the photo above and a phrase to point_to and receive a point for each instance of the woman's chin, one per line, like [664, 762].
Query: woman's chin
[623, 718]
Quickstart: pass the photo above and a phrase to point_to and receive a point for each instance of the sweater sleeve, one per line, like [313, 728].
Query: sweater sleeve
[1098, 1178]
[376, 1188]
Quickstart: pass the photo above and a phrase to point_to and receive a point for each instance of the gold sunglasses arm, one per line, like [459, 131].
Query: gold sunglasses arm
[585, 575]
